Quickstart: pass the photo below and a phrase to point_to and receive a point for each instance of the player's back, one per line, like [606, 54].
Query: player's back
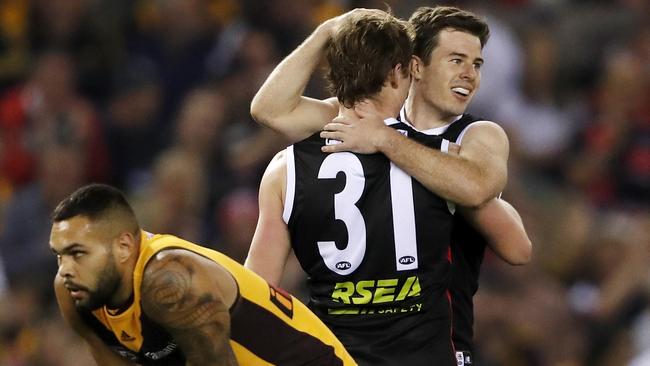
[268, 326]
[375, 245]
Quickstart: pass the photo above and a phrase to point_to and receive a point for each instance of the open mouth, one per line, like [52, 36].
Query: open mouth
[463, 92]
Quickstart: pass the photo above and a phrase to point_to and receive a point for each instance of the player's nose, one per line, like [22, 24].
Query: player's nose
[65, 268]
[469, 72]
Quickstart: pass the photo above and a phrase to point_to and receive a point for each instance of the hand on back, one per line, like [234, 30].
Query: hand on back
[361, 130]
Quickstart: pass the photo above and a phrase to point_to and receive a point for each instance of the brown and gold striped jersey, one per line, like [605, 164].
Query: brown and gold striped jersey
[268, 326]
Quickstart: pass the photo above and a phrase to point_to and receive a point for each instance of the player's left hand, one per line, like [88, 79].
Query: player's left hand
[360, 132]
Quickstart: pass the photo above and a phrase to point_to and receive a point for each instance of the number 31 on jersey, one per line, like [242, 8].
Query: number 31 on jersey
[347, 260]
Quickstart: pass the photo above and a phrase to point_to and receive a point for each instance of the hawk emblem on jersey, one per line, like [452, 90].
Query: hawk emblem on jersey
[282, 300]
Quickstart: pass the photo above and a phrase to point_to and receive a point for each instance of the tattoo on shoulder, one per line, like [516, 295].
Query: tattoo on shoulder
[171, 295]
[189, 308]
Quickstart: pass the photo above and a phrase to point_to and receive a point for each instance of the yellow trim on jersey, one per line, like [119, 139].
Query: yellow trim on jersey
[125, 326]
[246, 357]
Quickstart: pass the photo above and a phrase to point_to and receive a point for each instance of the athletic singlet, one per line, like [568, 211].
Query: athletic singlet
[467, 247]
[375, 245]
[268, 326]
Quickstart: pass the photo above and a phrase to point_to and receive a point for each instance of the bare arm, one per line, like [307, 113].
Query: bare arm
[279, 103]
[470, 178]
[181, 292]
[503, 228]
[102, 354]
[271, 243]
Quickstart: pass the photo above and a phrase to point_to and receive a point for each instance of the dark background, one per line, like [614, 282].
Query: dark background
[153, 96]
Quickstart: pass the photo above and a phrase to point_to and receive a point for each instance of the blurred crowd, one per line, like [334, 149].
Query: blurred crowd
[153, 97]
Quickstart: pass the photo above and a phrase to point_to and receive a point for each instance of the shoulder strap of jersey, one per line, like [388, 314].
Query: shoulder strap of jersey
[432, 141]
[455, 129]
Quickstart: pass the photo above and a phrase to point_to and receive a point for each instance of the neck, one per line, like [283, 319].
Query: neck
[123, 296]
[379, 106]
[423, 115]
[124, 293]
[114, 310]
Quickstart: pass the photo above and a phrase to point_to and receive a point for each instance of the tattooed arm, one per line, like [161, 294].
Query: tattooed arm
[190, 296]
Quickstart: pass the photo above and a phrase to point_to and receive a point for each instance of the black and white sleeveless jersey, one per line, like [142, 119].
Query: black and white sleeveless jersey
[468, 249]
[375, 244]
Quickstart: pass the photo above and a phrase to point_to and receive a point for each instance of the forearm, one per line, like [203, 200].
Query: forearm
[451, 176]
[271, 242]
[264, 260]
[503, 229]
[281, 93]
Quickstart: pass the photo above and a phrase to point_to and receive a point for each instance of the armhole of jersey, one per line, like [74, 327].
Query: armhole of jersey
[291, 185]
[459, 140]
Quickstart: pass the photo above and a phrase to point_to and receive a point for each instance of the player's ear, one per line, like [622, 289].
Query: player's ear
[126, 246]
[416, 67]
[394, 76]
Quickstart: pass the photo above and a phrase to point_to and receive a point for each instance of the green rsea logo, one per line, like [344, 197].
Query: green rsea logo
[376, 291]
[390, 292]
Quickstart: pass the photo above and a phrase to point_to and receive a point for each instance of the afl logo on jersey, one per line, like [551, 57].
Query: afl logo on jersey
[407, 259]
[343, 265]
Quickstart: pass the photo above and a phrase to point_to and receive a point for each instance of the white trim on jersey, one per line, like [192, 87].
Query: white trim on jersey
[462, 133]
[432, 131]
[291, 185]
[390, 121]
[403, 208]
[444, 146]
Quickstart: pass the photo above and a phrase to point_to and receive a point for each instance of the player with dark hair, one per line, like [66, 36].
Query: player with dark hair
[142, 298]
[373, 242]
[446, 73]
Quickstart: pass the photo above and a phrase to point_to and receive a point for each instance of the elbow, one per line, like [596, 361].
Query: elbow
[265, 112]
[259, 112]
[523, 256]
[481, 192]
[476, 195]
[520, 261]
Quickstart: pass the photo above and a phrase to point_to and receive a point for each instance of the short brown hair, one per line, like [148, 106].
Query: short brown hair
[428, 22]
[362, 53]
